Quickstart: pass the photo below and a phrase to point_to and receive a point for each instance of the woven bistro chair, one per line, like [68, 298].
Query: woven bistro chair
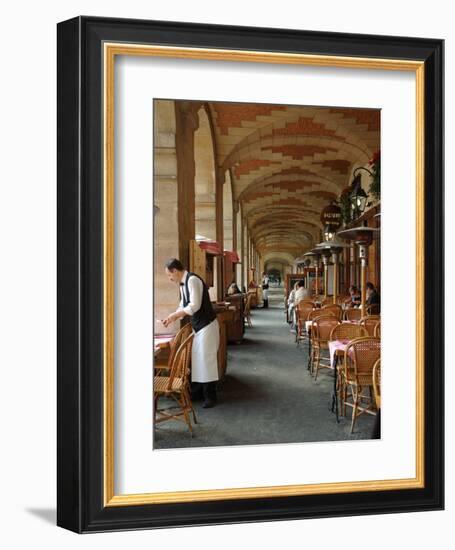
[182, 334]
[335, 308]
[345, 331]
[377, 383]
[176, 387]
[341, 299]
[373, 309]
[247, 310]
[315, 314]
[353, 314]
[302, 311]
[321, 329]
[359, 358]
[377, 330]
[369, 323]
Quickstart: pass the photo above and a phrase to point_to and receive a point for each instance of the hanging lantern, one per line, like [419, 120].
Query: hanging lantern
[331, 220]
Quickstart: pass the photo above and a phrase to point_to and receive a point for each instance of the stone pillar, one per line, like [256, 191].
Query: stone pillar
[166, 235]
[186, 124]
[219, 230]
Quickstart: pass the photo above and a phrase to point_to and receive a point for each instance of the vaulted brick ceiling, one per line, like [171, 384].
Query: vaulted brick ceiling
[287, 163]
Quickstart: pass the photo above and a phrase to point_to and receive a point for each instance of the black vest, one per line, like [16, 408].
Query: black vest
[205, 314]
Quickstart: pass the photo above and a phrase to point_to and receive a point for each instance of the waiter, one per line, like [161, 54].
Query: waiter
[265, 290]
[195, 302]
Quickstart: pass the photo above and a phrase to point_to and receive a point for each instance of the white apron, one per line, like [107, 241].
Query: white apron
[204, 357]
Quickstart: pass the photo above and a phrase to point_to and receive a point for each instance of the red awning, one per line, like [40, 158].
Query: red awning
[232, 255]
[211, 247]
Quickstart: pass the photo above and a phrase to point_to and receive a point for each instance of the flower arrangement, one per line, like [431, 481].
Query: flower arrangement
[375, 164]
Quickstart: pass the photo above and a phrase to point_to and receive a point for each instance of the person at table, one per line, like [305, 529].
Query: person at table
[354, 298]
[195, 303]
[265, 290]
[291, 305]
[302, 292]
[373, 297]
[233, 289]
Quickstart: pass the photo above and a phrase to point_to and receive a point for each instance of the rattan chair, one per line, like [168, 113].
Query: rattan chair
[182, 334]
[321, 329]
[301, 312]
[353, 314]
[176, 387]
[335, 308]
[345, 331]
[247, 310]
[377, 330]
[348, 331]
[369, 323]
[377, 383]
[373, 309]
[359, 359]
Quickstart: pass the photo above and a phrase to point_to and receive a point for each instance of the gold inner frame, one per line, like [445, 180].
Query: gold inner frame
[110, 51]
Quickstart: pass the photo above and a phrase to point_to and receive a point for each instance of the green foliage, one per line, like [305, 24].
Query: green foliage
[375, 186]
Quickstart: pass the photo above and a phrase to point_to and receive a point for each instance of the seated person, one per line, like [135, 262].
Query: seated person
[291, 304]
[301, 292]
[372, 295]
[233, 289]
[354, 299]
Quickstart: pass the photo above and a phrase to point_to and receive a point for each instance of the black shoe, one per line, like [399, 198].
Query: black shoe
[209, 392]
[196, 391]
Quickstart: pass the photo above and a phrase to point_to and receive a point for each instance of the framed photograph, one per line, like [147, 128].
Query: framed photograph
[250, 274]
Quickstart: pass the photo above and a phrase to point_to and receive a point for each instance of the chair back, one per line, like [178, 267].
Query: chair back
[369, 323]
[377, 382]
[353, 314]
[181, 335]
[322, 328]
[347, 331]
[303, 308]
[377, 330]
[336, 309]
[373, 309]
[319, 313]
[364, 353]
[247, 308]
[180, 367]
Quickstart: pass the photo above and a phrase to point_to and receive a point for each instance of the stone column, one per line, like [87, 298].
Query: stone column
[186, 124]
[165, 190]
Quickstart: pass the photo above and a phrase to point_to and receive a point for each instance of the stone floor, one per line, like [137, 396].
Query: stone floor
[267, 396]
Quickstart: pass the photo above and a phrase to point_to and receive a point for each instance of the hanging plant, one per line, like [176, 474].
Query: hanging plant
[375, 187]
[345, 206]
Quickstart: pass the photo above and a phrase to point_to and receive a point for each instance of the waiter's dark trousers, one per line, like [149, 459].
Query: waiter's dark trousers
[203, 390]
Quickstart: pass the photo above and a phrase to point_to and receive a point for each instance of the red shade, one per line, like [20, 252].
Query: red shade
[233, 256]
[211, 247]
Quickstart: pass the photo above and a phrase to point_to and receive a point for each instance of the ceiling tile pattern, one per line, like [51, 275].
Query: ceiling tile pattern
[287, 163]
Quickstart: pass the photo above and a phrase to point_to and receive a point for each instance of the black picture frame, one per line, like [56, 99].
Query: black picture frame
[81, 505]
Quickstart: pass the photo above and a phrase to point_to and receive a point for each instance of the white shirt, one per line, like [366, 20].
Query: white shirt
[300, 294]
[291, 297]
[195, 288]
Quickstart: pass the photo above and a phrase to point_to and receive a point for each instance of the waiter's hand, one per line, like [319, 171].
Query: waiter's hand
[170, 319]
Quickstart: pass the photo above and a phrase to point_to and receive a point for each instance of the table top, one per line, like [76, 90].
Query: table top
[162, 341]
